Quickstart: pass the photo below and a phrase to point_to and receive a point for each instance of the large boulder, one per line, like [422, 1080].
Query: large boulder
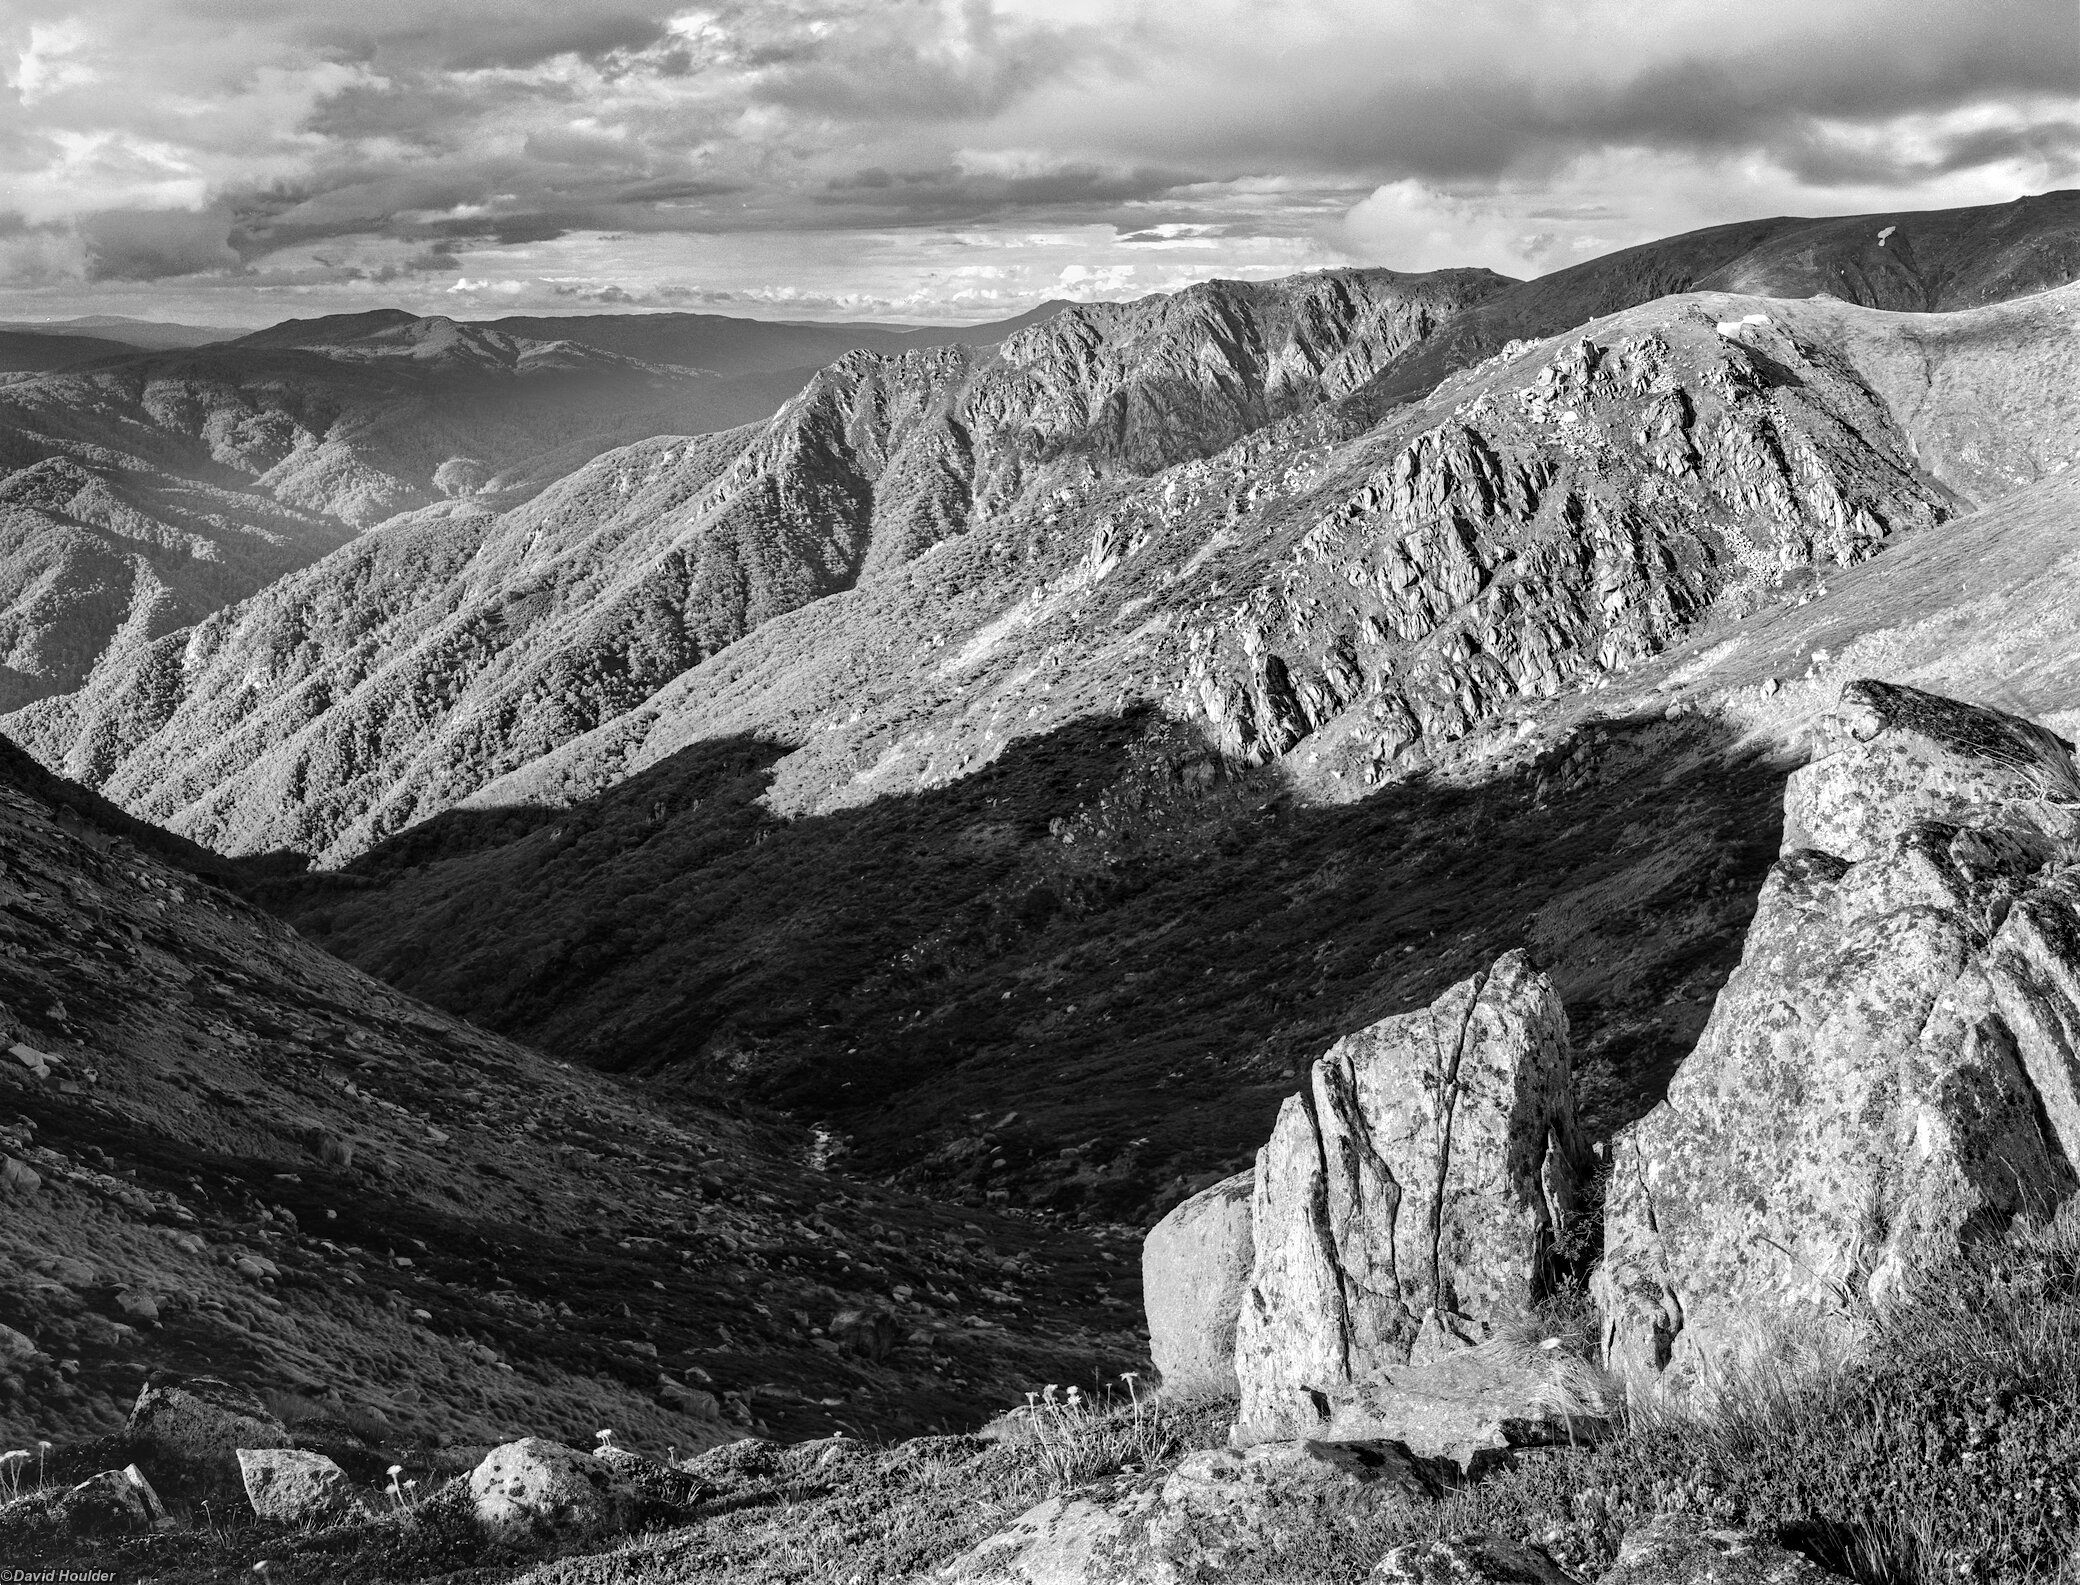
[1195, 1264]
[1414, 1195]
[1892, 1070]
[536, 1490]
[187, 1435]
[290, 1486]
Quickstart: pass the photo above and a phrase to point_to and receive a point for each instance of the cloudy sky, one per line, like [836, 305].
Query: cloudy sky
[238, 161]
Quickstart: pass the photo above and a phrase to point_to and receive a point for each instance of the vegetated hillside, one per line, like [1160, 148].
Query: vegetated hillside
[1915, 261]
[1094, 912]
[226, 1152]
[31, 351]
[142, 493]
[387, 700]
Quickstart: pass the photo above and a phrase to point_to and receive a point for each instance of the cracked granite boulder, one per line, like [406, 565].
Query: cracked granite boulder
[1409, 1203]
[1893, 1070]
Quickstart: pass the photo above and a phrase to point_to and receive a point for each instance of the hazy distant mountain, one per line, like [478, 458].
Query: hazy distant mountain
[147, 334]
[754, 346]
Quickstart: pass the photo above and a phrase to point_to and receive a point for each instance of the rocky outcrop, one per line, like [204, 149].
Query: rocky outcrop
[1469, 1560]
[115, 1502]
[290, 1486]
[1894, 1068]
[1676, 1549]
[1895, 756]
[1218, 1513]
[1411, 1199]
[533, 1489]
[188, 1435]
[1195, 1264]
[1563, 523]
[1472, 1406]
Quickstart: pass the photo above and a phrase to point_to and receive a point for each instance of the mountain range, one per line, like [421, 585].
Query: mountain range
[982, 774]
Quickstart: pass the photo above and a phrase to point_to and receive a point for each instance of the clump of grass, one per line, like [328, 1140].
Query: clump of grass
[1077, 1441]
[1943, 1446]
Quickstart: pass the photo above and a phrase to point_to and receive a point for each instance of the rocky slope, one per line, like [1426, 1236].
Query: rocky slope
[518, 633]
[967, 798]
[227, 1152]
[144, 492]
[1015, 673]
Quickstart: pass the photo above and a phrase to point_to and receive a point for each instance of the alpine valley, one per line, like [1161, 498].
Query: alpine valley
[718, 879]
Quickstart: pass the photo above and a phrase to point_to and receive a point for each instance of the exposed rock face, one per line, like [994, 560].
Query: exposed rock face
[294, 1487]
[189, 1435]
[1471, 1405]
[1569, 519]
[1195, 1264]
[1893, 1069]
[535, 1489]
[1897, 756]
[1675, 1549]
[1422, 1181]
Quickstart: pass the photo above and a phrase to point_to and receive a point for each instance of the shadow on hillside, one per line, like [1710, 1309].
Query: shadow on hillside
[1106, 950]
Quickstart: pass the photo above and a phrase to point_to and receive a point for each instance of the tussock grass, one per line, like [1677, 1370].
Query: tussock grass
[1075, 1441]
[1945, 1445]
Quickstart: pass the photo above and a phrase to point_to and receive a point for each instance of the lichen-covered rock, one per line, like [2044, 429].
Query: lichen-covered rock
[1677, 1549]
[534, 1489]
[1893, 1069]
[187, 1435]
[290, 1486]
[113, 1503]
[1469, 1560]
[1896, 756]
[1239, 1489]
[1195, 1264]
[1425, 1177]
[1473, 1405]
[1062, 1541]
[1220, 1512]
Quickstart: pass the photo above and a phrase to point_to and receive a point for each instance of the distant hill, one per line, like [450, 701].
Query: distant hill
[36, 352]
[729, 345]
[146, 334]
